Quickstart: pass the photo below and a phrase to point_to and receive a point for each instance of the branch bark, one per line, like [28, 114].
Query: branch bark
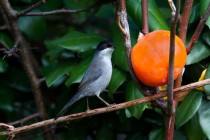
[184, 19]
[60, 11]
[110, 108]
[25, 56]
[198, 30]
[171, 107]
[145, 25]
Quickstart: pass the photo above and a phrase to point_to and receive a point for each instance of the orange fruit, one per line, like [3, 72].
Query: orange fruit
[150, 57]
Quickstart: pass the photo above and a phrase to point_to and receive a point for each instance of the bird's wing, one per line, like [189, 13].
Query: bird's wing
[92, 74]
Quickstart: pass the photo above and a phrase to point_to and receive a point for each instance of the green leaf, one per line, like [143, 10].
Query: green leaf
[199, 52]
[179, 135]
[3, 66]
[132, 93]
[119, 56]
[58, 71]
[105, 132]
[156, 134]
[118, 77]
[6, 39]
[33, 27]
[194, 15]
[204, 117]
[207, 76]
[6, 99]
[72, 4]
[156, 20]
[52, 5]
[193, 126]
[203, 7]
[76, 41]
[77, 72]
[188, 108]
[206, 37]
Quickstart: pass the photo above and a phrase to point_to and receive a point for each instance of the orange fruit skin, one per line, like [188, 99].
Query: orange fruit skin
[150, 57]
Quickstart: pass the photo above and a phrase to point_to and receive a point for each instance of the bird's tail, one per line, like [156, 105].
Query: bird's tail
[75, 98]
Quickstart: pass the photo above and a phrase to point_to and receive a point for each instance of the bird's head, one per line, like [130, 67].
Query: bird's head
[105, 47]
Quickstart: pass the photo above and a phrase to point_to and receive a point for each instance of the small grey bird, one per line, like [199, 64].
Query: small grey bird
[97, 76]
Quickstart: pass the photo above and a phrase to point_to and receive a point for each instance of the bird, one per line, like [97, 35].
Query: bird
[97, 76]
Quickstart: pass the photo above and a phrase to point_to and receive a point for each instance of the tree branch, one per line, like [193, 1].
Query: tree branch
[62, 11]
[184, 19]
[25, 119]
[110, 108]
[29, 9]
[25, 56]
[171, 107]
[198, 30]
[145, 25]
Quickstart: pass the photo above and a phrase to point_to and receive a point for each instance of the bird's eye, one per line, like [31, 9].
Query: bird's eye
[105, 45]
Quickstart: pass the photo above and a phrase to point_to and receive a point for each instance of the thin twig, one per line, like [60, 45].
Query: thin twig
[11, 18]
[3, 27]
[104, 109]
[29, 9]
[25, 119]
[9, 51]
[198, 29]
[184, 19]
[145, 25]
[6, 126]
[63, 11]
[171, 108]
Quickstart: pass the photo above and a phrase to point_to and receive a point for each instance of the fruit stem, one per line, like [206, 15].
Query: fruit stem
[145, 26]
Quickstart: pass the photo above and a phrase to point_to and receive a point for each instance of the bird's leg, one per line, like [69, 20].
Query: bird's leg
[88, 108]
[103, 100]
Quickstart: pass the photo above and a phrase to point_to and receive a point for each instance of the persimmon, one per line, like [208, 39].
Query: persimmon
[150, 58]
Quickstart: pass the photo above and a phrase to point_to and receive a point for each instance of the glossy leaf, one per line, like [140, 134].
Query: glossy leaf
[132, 93]
[198, 53]
[193, 126]
[119, 51]
[179, 135]
[204, 117]
[6, 39]
[33, 27]
[52, 5]
[105, 132]
[156, 20]
[3, 66]
[71, 4]
[6, 100]
[188, 108]
[76, 41]
[203, 6]
[206, 37]
[119, 56]
[194, 15]
[207, 76]
[77, 72]
[58, 72]
[118, 77]
[157, 134]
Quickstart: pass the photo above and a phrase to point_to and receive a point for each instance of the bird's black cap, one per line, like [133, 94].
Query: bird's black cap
[104, 44]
